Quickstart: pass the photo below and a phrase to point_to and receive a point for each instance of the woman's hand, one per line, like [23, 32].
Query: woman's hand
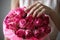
[37, 9]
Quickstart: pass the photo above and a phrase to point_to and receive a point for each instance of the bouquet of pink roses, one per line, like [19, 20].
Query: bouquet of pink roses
[16, 26]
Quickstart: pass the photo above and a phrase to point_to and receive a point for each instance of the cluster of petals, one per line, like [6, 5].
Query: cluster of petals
[27, 27]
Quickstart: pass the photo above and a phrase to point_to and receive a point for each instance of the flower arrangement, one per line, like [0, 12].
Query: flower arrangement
[30, 27]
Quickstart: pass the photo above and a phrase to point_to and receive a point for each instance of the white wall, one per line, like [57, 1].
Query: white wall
[4, 9]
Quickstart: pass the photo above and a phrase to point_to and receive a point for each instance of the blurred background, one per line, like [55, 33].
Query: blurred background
[5, 8]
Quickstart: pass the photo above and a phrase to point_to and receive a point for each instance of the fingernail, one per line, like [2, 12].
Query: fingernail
[38, 4]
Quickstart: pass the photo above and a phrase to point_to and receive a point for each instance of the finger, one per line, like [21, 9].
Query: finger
[40, 13]
[37, 10]
[45, 6]
[31, 6]
[6, 38]
[33, 9]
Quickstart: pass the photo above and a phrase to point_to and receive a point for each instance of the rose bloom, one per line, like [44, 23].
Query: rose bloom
[16, 26]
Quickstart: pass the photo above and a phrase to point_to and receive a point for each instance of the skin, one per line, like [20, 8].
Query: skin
[14, 4]
[39, 8]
